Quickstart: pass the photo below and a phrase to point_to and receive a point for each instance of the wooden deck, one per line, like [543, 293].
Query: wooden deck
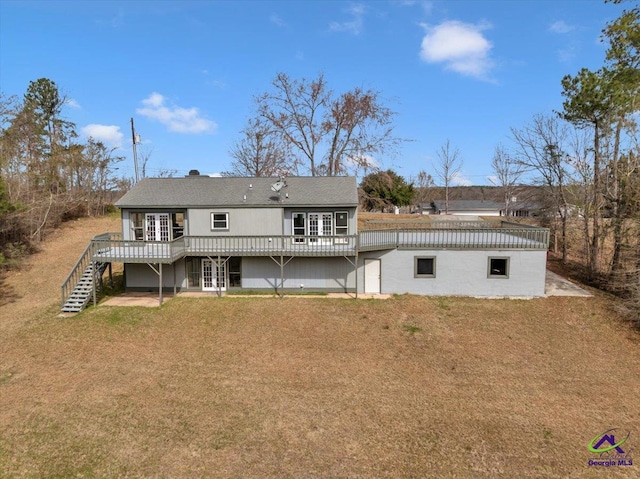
[111, 248]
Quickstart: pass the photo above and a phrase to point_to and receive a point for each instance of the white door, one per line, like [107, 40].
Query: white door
[320, 224]
[157, 227]
[214, 278]
[372, 276]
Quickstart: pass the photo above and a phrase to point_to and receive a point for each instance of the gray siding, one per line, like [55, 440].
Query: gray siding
[140, 276]
[242, 221]
[300, 274]
[460, 273]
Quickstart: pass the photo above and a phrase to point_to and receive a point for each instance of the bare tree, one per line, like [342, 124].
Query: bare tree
[447, 168]
[507, 172]
[541, 148]
[144, 156]
[424, 184]
[261, 152]
[330, 135]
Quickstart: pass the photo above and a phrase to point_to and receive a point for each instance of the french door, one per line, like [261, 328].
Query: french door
[214, 276]
[157, 227]
[320, 224]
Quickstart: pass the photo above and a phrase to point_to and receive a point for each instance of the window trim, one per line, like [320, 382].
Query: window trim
[335, 223]
[296, 237]
[226, 217]
[507, 267]
[415, 267]
[134, 228]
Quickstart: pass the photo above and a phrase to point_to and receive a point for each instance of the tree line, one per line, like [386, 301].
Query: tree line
[47, 174]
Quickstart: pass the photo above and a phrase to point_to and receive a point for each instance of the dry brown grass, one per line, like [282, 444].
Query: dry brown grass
[316, 387]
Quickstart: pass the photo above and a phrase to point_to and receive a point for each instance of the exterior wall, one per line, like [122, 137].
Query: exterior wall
[242, 222]
[139, 276]
[460, 273]
[300, 274]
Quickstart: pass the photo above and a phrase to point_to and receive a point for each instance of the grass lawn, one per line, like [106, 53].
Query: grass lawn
[318, 387]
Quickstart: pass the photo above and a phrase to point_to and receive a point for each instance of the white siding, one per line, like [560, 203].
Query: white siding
[461, 273]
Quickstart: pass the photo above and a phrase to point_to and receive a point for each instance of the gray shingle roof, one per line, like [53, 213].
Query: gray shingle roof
[205, 191]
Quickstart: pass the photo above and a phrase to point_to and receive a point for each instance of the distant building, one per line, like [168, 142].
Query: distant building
[479, 208]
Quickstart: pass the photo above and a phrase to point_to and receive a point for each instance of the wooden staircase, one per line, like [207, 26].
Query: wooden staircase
[77, 289]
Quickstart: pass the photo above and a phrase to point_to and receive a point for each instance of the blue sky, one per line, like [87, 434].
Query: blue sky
[187, 71]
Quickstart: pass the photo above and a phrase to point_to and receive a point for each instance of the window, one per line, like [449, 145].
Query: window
[342, 227]
[177, 221]
[193, 272]
[219, 221]
[498, 268]
[299, 227]
[425, 267]
[137, 226]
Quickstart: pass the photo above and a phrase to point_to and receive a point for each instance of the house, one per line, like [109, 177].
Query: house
[200, 233]
[468, 207]
[480, 208]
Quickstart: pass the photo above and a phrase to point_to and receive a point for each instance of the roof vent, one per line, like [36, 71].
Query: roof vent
[194, 173]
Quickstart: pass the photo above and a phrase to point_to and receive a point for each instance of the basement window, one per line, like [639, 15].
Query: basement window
[498, 268]
[424, 267]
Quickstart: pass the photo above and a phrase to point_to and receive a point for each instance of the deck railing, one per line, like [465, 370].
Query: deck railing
[110, 247]
[76, 273]
[272, 245]
[455, 238]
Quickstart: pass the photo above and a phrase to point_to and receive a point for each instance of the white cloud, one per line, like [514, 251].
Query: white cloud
[174, 117]
[354, 25]
[458, 180]
[110, 135]
[277, 20]
[560, 26]
[460, 46]
[73, 103]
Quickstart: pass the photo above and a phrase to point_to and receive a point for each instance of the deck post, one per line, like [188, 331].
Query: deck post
[281, 275]
[356, 271]
[218, 282]
[95, 283]
[174, 280]
[110, 276]
[160, 280]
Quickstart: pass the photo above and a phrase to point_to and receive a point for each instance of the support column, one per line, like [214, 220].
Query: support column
[160, 276]
[95, 283]
[281, 275]
[175, 291]
[218, 268]
[356, 270]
